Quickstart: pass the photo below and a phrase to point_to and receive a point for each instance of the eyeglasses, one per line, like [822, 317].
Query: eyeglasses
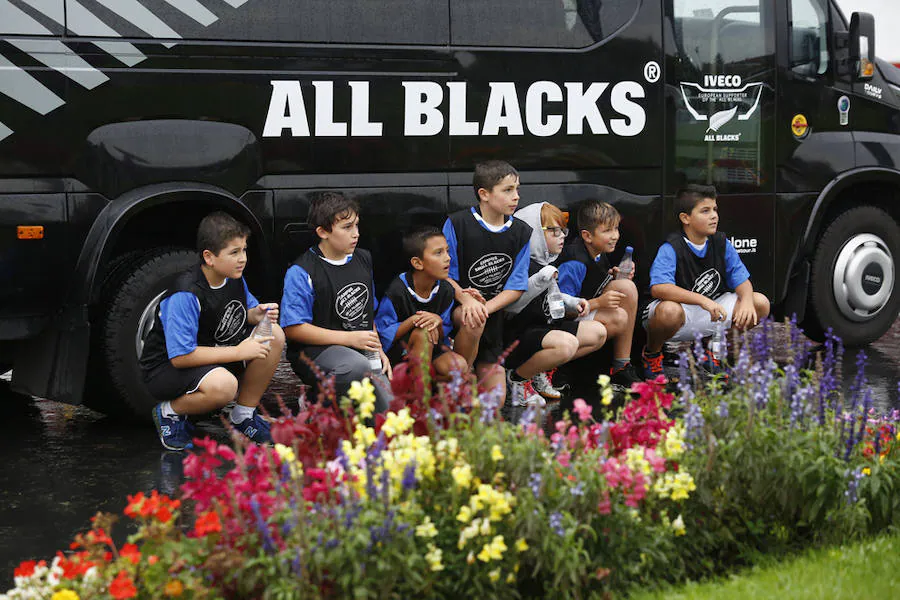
[557, 231]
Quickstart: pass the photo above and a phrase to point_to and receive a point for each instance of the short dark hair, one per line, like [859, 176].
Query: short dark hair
[489, 173]
[593, 212]
[690, 196]
[415, 241]
[327, 208]
[217, 229]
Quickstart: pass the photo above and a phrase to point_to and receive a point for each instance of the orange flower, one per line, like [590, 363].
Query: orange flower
[156, 505]
[207, 523]
[122, 587]
[174, 588]
[153, 559]
[131, 552]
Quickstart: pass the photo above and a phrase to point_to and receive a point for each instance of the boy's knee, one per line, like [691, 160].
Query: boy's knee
[419, 337]
[220, 385]
[352, 367]
[278, 342]
[626, 286]
[761, 303]
[668, 314]
[569, 345]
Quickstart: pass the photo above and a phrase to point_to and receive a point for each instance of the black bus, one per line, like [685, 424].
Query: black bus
[123, 122]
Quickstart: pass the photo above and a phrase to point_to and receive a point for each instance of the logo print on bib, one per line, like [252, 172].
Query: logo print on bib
[490, 270]
[708, 283]
[232, 322]
[350, 303]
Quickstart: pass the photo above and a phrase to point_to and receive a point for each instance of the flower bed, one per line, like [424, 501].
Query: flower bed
[441, 499]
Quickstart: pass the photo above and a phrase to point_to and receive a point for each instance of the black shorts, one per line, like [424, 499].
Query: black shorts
[166, 382]
[531, 342]
[397, 352]
[491, 345]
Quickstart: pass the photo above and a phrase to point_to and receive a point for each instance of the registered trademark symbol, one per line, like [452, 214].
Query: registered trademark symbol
[652, 71]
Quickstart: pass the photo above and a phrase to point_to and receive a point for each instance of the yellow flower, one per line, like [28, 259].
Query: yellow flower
[465, 514]
[881, 459]
[287, 457]
[866, 471]
[496, 453]
[470, 558]
[521, 545]
[606, 397]
[462, 475]
[397, 423]
[426, 529]
[494, 575]
[674, 445]
[603, 381]
[678, 526]
[363, 393]
[511, 578]
[493, 550]
[434, 557]
[65, 595]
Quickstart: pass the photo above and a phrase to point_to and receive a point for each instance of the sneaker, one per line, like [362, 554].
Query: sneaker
[542, 384]
[256, 428]
[521, 393]
[712, 364]
[532, 398]
[653, 365]
[174, 432]
[624, 376]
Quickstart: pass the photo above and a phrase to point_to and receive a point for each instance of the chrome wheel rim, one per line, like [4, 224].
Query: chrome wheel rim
[145, 323]
[863, 279]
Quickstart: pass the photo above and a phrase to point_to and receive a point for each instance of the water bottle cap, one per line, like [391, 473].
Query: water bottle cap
[629, 249]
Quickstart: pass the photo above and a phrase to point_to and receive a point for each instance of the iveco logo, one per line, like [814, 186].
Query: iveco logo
[872, 279]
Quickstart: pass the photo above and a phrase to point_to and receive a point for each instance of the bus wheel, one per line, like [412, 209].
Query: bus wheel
[124, 326]
[853, 287]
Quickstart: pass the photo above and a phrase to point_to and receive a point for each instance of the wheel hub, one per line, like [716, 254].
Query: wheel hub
[863, 277]
[145, 323]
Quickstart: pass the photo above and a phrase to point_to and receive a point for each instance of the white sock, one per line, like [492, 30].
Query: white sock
[241, 412]
[167, 410]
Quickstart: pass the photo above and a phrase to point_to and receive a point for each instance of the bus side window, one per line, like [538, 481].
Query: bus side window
[809, 41]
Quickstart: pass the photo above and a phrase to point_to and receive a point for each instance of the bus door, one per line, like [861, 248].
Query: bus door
[720, 77]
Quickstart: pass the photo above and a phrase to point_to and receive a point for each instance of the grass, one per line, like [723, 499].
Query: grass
[857, 571]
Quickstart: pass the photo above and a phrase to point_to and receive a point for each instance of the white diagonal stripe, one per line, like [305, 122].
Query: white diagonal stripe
[141, 17]
[25, 89]
[5, 131]
[195, 10]
[57, 55]
[236, 3]
[82, 22]
[18, 22]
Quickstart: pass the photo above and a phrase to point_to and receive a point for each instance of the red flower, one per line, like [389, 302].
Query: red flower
[207, 523]
[26, 568]
[131, 552]
[122, 587]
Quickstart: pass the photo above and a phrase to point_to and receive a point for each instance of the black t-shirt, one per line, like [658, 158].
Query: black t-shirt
[594, 275]
[343, 293]
[222, 322]
[486, 258]
[706, 276]
[399, 304]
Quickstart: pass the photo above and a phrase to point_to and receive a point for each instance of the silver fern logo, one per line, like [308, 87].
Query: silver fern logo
[38, 41]
[718, 101]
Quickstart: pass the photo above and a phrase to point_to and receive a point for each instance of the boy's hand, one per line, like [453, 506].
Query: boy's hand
[716, 311]
[474, 313]
[253, 348]
[584, 307]
[475, 294]
[363, 340]
[744, 314]
[610, 299]
[270, 310]
[615, 273]
[431, 323]
[386, 365]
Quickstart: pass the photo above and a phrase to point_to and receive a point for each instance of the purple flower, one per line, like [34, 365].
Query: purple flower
[693, 422]
[699, 351]
[490, 402]
[534, 482]
[267, 541]
[853, 478]
[556, 523]
[409, 476]
[722, 410]
[577, 489]
[527, 417]
[684, 379]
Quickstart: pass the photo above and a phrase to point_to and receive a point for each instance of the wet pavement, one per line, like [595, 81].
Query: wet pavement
[62, 463]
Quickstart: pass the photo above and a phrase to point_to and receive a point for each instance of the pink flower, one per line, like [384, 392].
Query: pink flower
[582, 409]
[563, 459]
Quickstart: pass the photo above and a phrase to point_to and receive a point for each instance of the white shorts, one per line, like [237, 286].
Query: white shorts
[696, 319]
[588, 317]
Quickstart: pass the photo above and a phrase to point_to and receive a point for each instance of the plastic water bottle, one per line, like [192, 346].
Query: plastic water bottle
[555, 301]
[571, 304]
[374, 360]
[263, 329]
[626, 266]
[717, 343]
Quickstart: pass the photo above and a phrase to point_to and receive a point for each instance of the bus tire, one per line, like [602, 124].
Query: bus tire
[853, 287]
[127, 317]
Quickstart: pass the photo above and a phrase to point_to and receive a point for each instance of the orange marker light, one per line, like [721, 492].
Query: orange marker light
[30, 232]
